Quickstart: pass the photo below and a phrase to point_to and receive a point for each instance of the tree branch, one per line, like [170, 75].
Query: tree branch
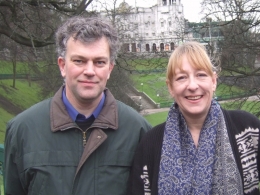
[22, 39]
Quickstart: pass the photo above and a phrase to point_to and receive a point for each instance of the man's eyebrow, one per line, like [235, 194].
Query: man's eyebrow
[77, 56]
[98, 57]
[101, 58]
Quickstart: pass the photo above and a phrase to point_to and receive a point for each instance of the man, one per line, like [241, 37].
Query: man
[82, 140]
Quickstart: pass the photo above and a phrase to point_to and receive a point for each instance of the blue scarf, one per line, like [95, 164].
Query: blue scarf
[206, 170]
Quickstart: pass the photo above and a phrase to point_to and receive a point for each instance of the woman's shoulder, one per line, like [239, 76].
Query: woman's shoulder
[239, 121]
[241, 114]
[155, 134]
[157, 130]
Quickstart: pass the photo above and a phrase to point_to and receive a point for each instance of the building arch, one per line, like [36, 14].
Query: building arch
[154, 47]
[147, 47]
[161, 47]
[133, 47]
[164, 2]
[172, 46]
[125, 47]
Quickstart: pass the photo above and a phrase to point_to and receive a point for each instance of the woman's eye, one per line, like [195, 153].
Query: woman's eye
[180, 78]
[202, 75]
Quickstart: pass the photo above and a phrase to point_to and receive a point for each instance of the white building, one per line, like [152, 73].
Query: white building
[153, 29]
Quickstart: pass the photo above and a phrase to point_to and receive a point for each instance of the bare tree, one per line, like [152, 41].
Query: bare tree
[33, 22]
[13, 53]
[239, 48]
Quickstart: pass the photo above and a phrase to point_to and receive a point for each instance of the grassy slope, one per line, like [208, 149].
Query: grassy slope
[23, 97]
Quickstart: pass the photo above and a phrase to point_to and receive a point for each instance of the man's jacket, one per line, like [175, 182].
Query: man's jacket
[44, 152]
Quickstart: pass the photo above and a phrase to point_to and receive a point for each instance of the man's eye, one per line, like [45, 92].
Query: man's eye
[100, 62]
[78, 61]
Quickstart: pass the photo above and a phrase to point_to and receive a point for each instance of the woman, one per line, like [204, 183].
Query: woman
[201, 148]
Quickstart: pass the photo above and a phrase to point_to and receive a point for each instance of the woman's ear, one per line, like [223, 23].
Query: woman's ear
[170, 88]
[214, 80]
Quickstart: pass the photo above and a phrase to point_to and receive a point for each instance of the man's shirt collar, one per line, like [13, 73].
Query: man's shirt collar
[75, 115]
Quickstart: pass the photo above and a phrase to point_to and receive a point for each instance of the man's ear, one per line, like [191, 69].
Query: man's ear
[111, 66]
[61, 64]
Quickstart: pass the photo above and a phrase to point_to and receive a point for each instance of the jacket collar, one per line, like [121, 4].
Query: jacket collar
[60, 119]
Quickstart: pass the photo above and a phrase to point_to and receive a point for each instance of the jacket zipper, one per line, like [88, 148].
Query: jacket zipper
[84, 138]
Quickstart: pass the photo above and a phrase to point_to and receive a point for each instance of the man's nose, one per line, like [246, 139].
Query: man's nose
[89, 68]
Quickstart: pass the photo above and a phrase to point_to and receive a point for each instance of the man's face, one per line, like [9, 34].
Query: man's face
[86, 69]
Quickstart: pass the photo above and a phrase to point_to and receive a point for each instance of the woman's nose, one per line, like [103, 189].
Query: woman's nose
[193, 84]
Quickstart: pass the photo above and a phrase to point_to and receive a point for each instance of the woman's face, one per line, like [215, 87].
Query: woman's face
[192, 90]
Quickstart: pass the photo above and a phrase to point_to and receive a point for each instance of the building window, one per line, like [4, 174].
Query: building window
[153, 34]
[147, 34]
[126, 47]
[164, 2]
[154, 47]
[170, 23]
[133, 47]
[172, 46]
[147, 47]
[162, 33]
[162, 24]
[161, 47]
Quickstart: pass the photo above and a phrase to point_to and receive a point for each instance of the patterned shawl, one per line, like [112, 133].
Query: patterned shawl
[209, 169]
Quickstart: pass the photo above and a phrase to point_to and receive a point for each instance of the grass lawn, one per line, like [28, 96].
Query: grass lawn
[23, 96]
[5, 117]
[153, 84]
[157, 118]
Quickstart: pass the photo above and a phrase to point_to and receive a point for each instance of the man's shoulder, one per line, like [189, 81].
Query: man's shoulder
[36, 110]
[122, 106]
[125, 111]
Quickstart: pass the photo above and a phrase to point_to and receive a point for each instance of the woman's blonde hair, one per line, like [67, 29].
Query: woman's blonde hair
[196, 54]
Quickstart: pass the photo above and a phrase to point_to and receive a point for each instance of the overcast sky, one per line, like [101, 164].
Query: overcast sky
[191, 7]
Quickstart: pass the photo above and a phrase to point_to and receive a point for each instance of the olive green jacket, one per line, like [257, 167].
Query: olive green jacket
[44, 152]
